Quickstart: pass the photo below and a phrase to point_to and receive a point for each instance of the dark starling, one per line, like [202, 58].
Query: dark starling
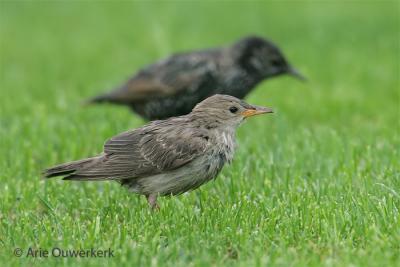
[168, 157]
[172, 87]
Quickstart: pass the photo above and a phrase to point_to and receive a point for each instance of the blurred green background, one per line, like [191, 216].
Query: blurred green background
[316, 184]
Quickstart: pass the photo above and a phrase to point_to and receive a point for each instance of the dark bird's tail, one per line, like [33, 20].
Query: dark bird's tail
[71, 169]
[104, 98]
[117, 96]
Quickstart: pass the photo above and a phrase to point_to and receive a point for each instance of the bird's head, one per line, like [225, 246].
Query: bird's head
[262, 58]
[225, 111]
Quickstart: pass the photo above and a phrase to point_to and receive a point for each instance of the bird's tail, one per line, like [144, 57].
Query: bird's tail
[71, 169]
[116, 96]
[104, 98]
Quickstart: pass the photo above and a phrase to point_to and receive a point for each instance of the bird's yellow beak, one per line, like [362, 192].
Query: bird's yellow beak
[256, 110]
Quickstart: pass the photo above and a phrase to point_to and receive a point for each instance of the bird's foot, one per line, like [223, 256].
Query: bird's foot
[152, 200]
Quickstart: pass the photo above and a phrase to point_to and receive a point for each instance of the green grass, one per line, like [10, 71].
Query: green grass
[315, 184]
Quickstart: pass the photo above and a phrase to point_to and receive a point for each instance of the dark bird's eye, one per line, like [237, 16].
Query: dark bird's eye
[276, 62]
[233, 109]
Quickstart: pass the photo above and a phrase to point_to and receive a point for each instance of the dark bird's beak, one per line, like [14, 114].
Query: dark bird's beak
[256, 110]
[295, 73]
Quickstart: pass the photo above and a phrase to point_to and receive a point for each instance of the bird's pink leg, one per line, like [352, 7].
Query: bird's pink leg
[152, 200]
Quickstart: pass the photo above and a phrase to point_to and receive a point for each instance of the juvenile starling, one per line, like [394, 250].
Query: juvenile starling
[172, 87]
[168, 157]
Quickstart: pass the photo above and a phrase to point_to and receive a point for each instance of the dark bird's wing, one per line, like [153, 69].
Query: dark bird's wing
[161, 146]
[168, 77]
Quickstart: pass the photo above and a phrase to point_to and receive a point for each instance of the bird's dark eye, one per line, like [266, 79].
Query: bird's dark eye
[233, 109]
[276, 62]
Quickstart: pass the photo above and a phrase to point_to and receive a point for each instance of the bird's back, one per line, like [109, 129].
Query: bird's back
[201, 75]
[173, 86]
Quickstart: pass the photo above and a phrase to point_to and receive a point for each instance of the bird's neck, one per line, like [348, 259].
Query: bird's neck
[225, 142]
[221, 135]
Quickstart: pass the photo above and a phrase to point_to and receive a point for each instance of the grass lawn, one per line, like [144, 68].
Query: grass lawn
[315, 184]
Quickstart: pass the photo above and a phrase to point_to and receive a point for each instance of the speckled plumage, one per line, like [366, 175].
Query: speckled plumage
[168, 157]
[173, 86]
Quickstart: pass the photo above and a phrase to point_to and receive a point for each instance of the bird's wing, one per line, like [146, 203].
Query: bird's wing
[156, 148]
[172, 147]
[168, 77]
